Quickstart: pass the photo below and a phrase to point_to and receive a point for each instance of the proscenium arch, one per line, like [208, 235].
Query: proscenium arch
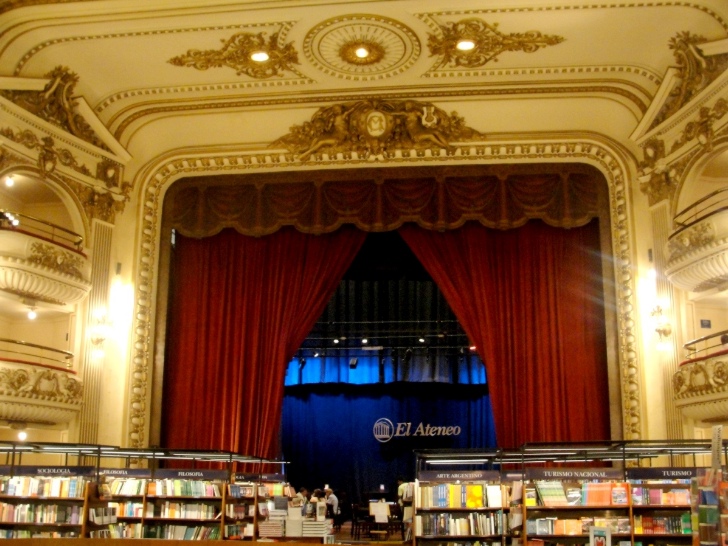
[151, 256]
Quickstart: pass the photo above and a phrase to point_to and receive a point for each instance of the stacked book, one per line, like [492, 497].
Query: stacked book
[317, 528]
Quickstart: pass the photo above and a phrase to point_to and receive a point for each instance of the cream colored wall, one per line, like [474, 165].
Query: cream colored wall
[54, 332]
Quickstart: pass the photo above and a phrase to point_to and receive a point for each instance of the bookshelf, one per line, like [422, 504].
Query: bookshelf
[460, 507]
[661, 505]
[561, 504]
[45, 502]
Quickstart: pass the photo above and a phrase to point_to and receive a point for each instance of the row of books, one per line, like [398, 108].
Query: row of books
[663, 525]
[102, 515]
[27, 533]
[240, 490]
[239, 531]
[660, 497]
[181, 510]
[41, 513]
[575, 526]
[42, 486]
[239, 511]
[456, 495]
[119, 530]
[183, 488]
[182, 532]
[128, 509]
[557, 493]
[473, 524]
[124, 487]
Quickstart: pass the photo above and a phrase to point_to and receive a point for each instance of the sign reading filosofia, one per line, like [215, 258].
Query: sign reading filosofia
[385, 430]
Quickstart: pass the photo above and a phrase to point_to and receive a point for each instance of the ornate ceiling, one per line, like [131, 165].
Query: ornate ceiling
[162, 76]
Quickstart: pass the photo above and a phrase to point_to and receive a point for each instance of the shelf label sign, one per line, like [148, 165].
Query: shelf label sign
[573, 473]
[468, 475]
[657, 473]
[56, 471]
[384, 430]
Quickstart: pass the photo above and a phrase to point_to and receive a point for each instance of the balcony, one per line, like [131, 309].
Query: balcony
[41, 261]
[700, 385]
[37, 384]
[698, 257]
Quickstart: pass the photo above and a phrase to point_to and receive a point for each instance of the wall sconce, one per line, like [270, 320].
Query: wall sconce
[662, 327]
[98, 333]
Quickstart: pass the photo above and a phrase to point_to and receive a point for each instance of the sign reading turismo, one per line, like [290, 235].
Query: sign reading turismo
[385, 430]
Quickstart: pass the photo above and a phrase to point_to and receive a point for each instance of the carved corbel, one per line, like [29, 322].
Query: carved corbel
[655, 178]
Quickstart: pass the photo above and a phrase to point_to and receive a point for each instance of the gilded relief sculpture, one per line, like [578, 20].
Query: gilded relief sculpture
[374, 128]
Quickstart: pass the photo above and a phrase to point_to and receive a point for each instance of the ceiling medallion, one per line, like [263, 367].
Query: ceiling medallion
[361, 47]
[238, 53]
[485, 43]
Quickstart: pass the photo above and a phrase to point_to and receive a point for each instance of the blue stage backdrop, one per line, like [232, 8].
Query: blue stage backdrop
[328, 431]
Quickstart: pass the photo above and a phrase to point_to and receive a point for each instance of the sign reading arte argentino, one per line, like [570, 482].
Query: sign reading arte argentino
[385, 430]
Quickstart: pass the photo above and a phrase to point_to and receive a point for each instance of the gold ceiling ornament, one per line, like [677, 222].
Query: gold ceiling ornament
[695, 72]
[486, 43]
[361, 47]
[56, 104]
[237, 52]
[374, 128]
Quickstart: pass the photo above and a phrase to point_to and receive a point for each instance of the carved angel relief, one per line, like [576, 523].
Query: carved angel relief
[373, 128]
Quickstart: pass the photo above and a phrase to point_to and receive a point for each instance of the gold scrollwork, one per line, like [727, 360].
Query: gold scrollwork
[488, 43]
[44, 384]
[236, 54]
[55, 104]
[372, 128]
[691, 239]
[695, 72]
[48, 154]
[56, 259]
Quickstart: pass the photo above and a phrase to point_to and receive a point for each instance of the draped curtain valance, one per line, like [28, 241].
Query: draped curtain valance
[383, 199]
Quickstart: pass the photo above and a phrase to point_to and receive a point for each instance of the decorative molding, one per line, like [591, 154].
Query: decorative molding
[235, 53]
[700, 389]
[458, 94]
[654, 178]
[40, 385]
[331, 47]
[690, 240]
[489, 43]
[56, 104]
[588, 151]
[695, 72]
[702, 128]
[374, 128]
[55, 258]
[48, 155]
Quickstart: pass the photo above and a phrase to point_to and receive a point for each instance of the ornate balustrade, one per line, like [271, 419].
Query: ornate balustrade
[701, 381]
[41, 261]
[37, 384]
[698, 248]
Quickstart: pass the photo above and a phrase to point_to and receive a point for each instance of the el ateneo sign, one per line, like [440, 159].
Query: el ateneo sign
[384, 430]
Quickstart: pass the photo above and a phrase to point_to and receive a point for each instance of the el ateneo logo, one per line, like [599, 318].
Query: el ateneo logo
[384, 430]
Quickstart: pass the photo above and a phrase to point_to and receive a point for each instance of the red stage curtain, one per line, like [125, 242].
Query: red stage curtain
[531, 300]
[241, 308]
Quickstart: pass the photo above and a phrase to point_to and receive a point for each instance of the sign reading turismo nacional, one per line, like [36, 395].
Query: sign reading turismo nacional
[385, 430]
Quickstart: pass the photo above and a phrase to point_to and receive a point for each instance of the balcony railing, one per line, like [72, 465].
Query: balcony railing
[701, 382]
[37, 384]
[23, 352]
[40, 229]
[698, 248]
[42, 261]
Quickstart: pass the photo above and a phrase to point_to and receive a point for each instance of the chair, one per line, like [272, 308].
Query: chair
[359, 523]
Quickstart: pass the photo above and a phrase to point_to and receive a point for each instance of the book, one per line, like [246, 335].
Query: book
[494, 495]
[619, 494]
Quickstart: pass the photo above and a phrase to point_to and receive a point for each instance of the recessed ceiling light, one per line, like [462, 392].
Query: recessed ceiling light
[465, 45]
[362, 52]
[9, 181]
